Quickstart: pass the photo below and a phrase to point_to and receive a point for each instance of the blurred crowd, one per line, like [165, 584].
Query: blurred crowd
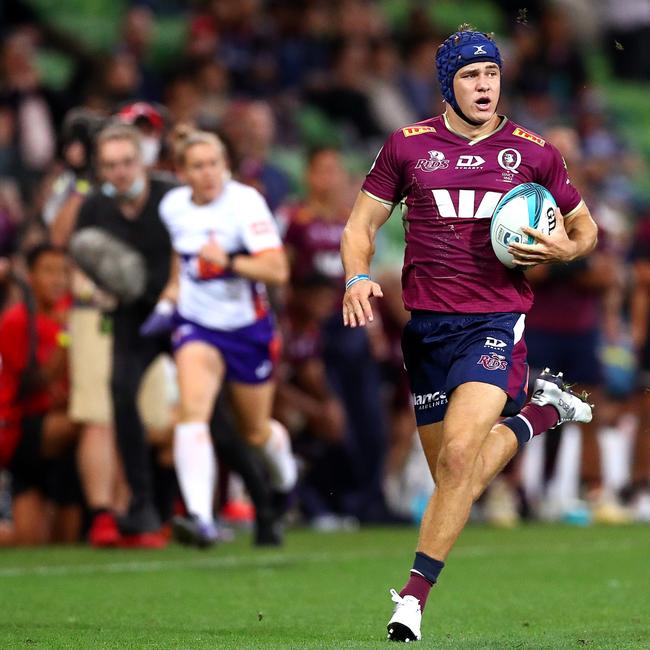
[303, 94]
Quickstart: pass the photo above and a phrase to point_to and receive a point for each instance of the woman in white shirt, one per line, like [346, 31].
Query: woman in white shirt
[227, 247]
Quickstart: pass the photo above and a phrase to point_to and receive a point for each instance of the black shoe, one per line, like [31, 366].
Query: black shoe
[268, 532]
[141, 518]
[192, 532]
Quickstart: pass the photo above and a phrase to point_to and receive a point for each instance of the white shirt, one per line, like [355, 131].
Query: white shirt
[240, 221]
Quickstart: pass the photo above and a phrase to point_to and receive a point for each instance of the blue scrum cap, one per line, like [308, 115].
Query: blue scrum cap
[461, 49]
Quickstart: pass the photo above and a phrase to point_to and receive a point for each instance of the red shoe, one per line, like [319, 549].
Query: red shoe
[103, 532]
[238, 512]
[143, 540]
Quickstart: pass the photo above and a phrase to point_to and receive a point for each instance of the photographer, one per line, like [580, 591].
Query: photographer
[123, 246]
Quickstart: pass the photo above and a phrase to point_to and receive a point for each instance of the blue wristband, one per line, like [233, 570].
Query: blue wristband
[356, 278]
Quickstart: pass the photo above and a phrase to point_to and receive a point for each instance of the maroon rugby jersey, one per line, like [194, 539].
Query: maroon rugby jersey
[450, 186]
[315, 243]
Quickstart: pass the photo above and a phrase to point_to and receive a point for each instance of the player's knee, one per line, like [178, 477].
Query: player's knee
[455, 462]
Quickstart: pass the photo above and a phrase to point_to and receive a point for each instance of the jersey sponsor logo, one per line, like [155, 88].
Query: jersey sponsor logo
[526, 135]
[429, 400]
[435, 161]
[492, 361]
[469, 162]
[491, 342]
[465, 208]
[409, 131]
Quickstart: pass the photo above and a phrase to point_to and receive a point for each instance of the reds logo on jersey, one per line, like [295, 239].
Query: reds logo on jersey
[492, 361]
[436, 160]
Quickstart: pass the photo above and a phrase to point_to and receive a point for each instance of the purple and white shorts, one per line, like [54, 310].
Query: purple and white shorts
[250, 353]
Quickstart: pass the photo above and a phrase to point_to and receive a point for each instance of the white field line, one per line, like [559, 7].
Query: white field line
[288, 558]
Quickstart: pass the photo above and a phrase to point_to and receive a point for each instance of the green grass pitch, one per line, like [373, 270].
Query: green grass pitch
[533, 587]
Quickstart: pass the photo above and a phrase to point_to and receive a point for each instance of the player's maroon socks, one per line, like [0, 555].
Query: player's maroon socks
[424, 575]
[532, 420]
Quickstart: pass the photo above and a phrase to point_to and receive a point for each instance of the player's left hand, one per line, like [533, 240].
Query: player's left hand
[547, 249]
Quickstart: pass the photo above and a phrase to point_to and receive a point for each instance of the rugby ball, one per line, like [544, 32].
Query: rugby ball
[528, 204]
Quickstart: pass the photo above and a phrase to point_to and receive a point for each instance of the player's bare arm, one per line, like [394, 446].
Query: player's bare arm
[270, 267]
[573, 237]
[357, 248]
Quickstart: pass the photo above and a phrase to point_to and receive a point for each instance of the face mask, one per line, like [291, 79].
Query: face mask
[108, 189]
[150, 148]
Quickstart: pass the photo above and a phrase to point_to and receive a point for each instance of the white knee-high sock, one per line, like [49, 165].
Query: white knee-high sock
[276, 452]
[196, 468]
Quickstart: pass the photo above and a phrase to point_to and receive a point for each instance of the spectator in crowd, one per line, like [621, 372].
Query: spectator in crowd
[136, 38]
[345, 97]
[149, 120]
[182, 97]
[308, 406]
[121, 78]
[388, 104]
[313, 238]
[11, 209]
[29, 113]
[37, 437]
[250, 129]
[574, 344]
[625, 38]
[638, 491]
[213, 85]
[416, 80]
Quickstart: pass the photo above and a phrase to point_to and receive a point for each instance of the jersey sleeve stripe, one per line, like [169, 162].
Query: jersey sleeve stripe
[572, 212]
[385, 202]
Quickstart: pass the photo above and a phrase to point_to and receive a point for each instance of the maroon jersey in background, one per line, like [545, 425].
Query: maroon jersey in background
[451, 186]
[562, 294]
[314, 243]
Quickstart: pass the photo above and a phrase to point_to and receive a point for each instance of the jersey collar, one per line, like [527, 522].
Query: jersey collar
[504, 121]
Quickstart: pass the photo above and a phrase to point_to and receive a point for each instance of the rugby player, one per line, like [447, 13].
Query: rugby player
[464, 346]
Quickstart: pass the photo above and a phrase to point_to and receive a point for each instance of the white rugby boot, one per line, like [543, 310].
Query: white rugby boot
[550, 389]
[405, 623]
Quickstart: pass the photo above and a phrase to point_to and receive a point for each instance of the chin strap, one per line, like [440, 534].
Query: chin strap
[456, 108]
